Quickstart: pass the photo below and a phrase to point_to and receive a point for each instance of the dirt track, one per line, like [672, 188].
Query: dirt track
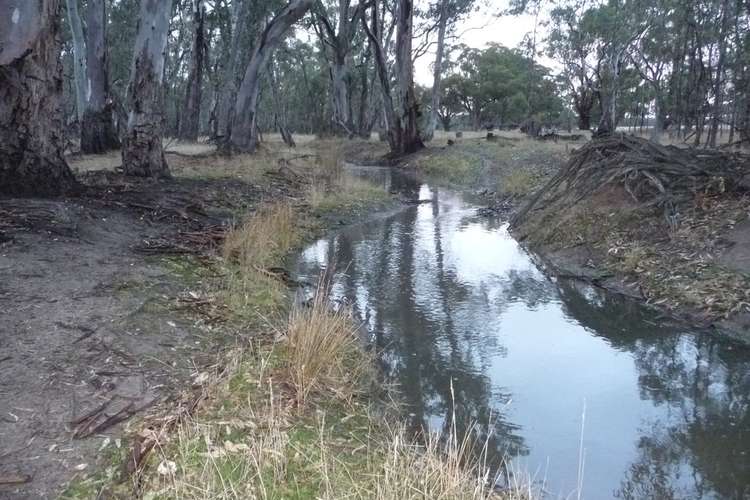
[89, 331]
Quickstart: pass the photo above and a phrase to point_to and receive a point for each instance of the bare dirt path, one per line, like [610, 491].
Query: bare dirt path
[88, 334]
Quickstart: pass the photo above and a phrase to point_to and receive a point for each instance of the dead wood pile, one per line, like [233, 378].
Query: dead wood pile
[653, 175]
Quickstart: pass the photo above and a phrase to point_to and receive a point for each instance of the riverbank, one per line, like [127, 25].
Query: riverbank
[697, 272]
[289, 404]
[694, 268]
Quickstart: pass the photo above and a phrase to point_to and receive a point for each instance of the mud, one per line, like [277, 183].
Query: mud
[90, 331]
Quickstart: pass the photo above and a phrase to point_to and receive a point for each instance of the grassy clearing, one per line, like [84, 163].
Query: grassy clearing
[511, 165]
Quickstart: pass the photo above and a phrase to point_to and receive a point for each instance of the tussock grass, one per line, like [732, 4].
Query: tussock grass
[253, 247]
[264, 238]
[323, 352]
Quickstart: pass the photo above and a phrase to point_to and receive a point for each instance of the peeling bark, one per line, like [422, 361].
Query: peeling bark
[142, 152]
[190, 125]
[31, 124]
[98, 133]
[243, 135]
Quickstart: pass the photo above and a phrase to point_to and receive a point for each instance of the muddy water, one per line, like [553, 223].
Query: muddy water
[577, 387]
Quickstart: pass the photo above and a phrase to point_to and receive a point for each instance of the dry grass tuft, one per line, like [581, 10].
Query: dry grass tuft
[264, 238]
[323, 351]
[250, 250]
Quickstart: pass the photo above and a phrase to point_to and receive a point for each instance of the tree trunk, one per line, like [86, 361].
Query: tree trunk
[31, 123]
[658, 124]
[718, 82]
[142, 152]
[391, 120]
[229, 84]
[190, 125]
[243, 135]
[79, 57]
[437, 73]
[339, 78]
[98, 133]
[410, 140]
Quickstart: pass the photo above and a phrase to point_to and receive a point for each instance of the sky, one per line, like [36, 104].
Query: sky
[479, 29]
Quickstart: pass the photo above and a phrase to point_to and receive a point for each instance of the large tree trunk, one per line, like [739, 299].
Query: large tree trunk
[31, 124]
[142, 152]
[243, 135]
[340, 42]
[437, 74]
[79, 56]
[98, 133]
[190, 125]
[339, 78]
[410, 140]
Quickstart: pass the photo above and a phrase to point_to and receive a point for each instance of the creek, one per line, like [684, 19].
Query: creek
[577, 387]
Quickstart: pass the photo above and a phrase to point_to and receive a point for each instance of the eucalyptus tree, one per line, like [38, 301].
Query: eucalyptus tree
[570, 44]
[79, 56]
[336, 26]
[402, 113]
[31, 122]
[243, 136]
[227, 94]
[98, 133]
[190, 123]
[142, 152]
[446, 14]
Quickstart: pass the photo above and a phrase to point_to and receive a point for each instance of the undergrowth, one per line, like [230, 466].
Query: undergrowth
[298, 419]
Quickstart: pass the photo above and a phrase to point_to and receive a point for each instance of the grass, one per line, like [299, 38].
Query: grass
[518, 183]
[347, 195]
[250, 251]
[323, 351]
[289, 420]
[511, 165]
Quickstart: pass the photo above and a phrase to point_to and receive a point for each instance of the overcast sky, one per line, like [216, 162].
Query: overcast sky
[479, 29]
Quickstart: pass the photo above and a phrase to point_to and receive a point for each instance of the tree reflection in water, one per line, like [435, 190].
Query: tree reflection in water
[433, 300]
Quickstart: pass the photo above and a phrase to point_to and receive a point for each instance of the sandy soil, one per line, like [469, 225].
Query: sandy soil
[90, 331]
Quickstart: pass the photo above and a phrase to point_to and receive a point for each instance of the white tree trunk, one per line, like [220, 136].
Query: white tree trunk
[79, 57]
[437, 74]
[98, 132]
[142, 152]
[243, 136]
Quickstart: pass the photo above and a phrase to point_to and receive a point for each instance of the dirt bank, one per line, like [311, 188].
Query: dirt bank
[91, 331]
[106, 312]
[668, 227]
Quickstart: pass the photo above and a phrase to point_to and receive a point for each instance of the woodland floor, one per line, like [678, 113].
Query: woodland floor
[98, 319]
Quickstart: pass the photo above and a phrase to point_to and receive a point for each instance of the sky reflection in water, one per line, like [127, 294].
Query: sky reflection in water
[446, 296]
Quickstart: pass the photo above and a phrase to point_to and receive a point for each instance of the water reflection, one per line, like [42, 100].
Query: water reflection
[451, 299]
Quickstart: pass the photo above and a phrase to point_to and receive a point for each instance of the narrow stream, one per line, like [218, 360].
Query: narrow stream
[557, 369]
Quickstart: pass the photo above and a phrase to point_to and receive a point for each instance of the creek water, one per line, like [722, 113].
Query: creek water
[592, 395]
